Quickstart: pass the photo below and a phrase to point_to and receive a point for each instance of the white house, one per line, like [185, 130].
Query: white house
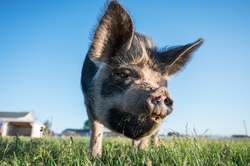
[20, 123]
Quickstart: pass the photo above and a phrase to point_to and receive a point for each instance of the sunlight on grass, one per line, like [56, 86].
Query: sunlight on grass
[119, 151]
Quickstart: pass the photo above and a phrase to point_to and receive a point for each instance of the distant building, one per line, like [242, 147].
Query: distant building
[86, 133]
[20, 123]
[240, 136]
[109, 133]
[75, 133]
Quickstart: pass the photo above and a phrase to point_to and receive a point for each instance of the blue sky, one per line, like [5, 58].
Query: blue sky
[43, 45]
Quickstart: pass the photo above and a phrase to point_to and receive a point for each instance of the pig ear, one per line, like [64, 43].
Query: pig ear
[115, 30]
[176, 58]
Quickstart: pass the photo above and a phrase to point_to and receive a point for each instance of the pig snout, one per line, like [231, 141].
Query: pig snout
[160, 104]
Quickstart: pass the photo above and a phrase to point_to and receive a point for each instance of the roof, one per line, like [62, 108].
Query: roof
[75, 130]
[80, 132]
[13, 114]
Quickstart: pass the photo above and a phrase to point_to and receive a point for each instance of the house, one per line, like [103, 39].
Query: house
[109, 133]
[86, 133]
[239, 136]
[20, 123]
[75, 133]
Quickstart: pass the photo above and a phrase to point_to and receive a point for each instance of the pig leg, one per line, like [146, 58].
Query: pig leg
[135, 143]
[96, 138]
[154, 139]
[141, 144]
[144, 143]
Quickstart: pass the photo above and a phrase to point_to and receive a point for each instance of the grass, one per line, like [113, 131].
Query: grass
[118, 151]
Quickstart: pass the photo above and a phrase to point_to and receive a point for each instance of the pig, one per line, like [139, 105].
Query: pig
[124, 79]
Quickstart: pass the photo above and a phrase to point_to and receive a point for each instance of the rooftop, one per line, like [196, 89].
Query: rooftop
[13, 114]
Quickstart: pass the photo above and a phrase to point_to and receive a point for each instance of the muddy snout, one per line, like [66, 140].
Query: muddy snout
[160, 104]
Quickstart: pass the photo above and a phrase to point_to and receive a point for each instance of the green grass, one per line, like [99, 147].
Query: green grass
[118, 151]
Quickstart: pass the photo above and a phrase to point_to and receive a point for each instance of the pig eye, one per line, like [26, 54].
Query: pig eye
[122, 75]
[125, 74]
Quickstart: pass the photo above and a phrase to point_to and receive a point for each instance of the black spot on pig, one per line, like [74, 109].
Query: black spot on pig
[129, 125]
[89, 69]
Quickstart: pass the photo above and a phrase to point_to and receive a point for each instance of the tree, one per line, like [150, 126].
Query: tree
[86, 124]
[47, 125]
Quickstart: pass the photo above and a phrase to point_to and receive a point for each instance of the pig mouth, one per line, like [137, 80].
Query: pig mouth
[156, 118]
[133, 126]
[153, 118]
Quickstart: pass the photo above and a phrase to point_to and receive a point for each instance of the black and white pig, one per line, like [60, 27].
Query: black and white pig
[124, 78]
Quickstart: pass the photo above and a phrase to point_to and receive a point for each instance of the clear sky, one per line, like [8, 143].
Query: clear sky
[43, 45]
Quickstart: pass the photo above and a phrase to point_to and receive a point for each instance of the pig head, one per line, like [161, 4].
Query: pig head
[124, 78]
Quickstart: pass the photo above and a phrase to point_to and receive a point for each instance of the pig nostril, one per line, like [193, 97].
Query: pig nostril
[168, 102]
[156, 100]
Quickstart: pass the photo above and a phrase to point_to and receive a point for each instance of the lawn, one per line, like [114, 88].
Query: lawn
[118, 151]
